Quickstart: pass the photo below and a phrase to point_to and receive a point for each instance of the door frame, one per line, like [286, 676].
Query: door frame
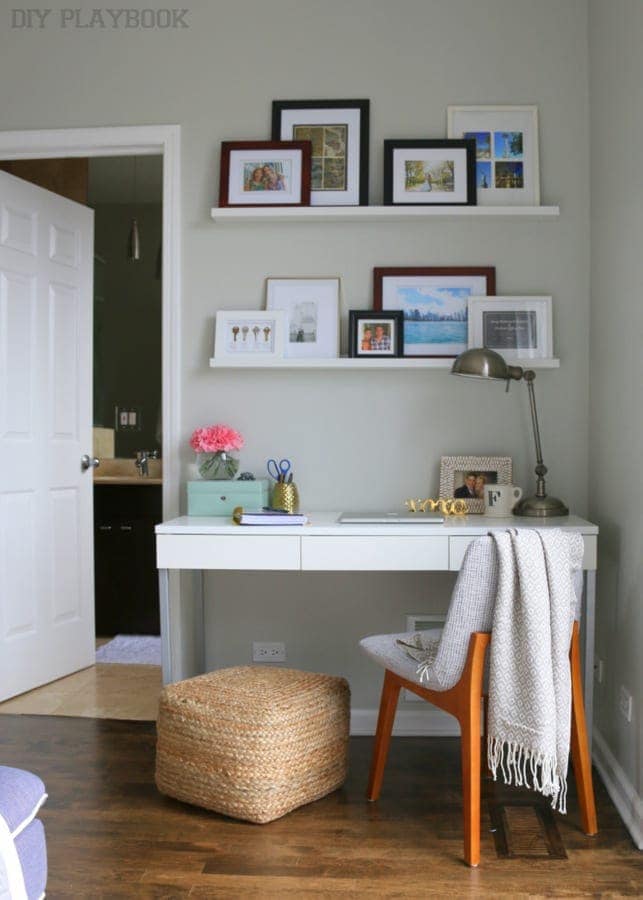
[143, 140]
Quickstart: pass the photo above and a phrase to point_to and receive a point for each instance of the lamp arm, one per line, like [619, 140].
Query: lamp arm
[541, 469]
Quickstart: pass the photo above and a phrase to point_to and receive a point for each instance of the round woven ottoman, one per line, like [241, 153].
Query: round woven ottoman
[253, 742]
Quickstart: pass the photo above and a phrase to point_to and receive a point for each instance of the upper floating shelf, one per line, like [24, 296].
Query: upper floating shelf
[381, 362]
[378, 213]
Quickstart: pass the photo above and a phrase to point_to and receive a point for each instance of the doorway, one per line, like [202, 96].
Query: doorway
[121, 143]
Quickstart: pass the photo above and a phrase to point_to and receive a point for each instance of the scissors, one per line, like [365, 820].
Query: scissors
[278, 470]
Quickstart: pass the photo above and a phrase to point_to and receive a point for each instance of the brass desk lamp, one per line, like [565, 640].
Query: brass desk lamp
[482, 363]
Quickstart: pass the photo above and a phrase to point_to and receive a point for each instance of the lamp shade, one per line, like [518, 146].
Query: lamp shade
[480, 362]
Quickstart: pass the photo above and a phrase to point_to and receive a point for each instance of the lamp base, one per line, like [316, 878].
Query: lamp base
[540, 507]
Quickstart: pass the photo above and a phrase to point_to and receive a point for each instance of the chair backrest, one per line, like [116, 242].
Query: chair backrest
[471, 609]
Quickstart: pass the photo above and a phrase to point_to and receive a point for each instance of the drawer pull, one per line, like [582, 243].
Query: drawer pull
[104, 527]
[126, 528]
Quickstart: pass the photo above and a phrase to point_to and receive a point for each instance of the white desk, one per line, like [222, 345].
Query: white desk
[323, 545]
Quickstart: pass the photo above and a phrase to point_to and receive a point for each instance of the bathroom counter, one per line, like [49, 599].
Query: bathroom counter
[139, 480]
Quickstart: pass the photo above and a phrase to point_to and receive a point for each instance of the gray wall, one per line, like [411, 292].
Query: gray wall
[616, 351]
[363, 438]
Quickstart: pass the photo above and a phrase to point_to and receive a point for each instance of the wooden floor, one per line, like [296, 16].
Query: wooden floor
[110, 834]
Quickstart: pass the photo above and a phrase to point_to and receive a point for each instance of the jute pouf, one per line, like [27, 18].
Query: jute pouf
[253, 742]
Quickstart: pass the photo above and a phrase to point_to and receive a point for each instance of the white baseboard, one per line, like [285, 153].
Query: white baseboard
[426, 722]
[619, 787]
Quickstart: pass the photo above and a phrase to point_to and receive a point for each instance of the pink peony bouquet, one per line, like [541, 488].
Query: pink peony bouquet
[215, 438]
[217, 444]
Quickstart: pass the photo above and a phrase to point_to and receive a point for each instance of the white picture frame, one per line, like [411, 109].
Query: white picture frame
[311, 310]
[249, 336]
[519, 328]
[507, 166]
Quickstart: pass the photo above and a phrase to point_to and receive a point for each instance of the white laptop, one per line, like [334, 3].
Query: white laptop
[390, 518]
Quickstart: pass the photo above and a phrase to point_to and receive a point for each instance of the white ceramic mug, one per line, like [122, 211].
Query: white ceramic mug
[500, 499]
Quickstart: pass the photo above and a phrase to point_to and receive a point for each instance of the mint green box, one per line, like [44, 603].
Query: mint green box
[219, 498]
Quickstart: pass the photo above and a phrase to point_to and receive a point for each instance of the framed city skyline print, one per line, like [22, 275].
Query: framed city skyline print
[430, 172]
[339, 134]
[265, 173]
[435, 303]
[506, 137]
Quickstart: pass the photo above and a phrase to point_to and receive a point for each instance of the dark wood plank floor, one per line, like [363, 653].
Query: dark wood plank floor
[110, 834]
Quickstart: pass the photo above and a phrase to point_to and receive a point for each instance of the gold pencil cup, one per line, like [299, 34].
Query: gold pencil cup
[286, 497]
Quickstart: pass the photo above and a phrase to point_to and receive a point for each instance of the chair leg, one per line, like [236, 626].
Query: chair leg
[470, 751]
[388, 705]
[581, 759]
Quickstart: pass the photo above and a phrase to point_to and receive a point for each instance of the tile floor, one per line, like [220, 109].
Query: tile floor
[103, 691]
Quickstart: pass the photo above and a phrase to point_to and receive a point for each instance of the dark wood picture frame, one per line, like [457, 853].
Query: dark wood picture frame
[355, 316]
[363, 106]
[228, 147]
[425, 198]
[382, 272]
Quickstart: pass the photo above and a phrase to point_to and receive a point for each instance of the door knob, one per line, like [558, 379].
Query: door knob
[89, 462]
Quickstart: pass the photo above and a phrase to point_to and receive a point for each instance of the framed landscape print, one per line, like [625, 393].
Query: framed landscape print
[311, 310]
[519, 328]
[431, 172]
[506, 151]
[375, 334]
[339, 133]
[434, 301]
[249, 335]
[465, 477]
[265, 173]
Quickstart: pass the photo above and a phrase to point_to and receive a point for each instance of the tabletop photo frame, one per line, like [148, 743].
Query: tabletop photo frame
[507, 167]
[464, 478]
[249, 336]
[434, 301]
[311, 314]
[373, 334]
[339, 134]
[519, 328]
[430, 172]
[265, 173]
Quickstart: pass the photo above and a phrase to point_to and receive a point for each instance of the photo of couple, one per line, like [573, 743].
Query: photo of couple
[473, 484]
[375, 337]
[260, 176]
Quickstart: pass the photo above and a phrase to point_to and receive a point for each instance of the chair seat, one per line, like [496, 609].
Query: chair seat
[385, 651]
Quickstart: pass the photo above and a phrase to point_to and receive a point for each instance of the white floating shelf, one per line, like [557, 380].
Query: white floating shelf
[377, 213]
[344, 362]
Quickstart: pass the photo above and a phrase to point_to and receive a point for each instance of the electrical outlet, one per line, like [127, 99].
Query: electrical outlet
[600, 670]
[268, 651]
[625, 703]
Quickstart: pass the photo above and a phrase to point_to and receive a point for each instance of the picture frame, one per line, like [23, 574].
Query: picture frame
[457, 471]
[430, 172]
[519, 328]
[507, 166]
[247, 336]
[434, 300]
[375, 335]
[265, 173]
[311, 314]
[339, 135]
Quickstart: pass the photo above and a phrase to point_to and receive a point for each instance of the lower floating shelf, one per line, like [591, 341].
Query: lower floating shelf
[344, 362]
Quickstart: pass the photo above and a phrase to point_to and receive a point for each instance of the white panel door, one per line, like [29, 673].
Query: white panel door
[46, 503]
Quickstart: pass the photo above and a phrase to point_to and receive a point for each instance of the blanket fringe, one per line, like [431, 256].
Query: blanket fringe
[522, 767]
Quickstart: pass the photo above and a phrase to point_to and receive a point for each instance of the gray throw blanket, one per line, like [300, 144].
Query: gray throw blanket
[529, 675]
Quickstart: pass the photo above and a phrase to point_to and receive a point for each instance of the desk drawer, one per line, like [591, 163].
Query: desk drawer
[263, 552]
[459, 544]
[377, 553]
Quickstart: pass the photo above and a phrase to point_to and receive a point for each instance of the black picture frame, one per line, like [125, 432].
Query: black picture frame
[357, 142]
[358, 318]
[461, 184]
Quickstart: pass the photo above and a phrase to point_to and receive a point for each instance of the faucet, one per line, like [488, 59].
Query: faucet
[142, 458]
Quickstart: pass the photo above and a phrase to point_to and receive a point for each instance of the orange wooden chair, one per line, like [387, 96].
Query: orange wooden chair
[456, 685]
